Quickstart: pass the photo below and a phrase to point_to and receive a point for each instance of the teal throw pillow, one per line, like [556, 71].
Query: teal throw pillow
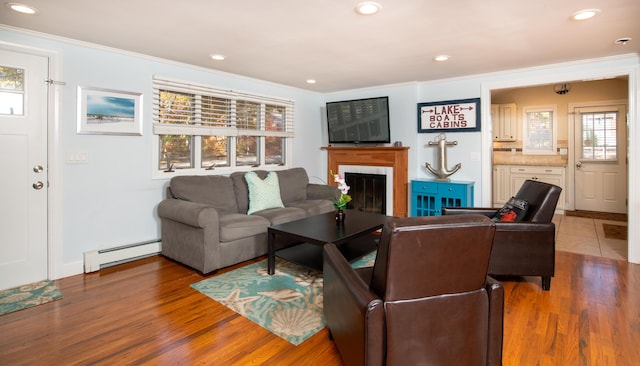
[263, 194]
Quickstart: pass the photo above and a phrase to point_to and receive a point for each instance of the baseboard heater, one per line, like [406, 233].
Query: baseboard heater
[95, 260]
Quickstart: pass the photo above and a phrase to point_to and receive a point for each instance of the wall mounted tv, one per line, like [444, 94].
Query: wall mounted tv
[361, 121]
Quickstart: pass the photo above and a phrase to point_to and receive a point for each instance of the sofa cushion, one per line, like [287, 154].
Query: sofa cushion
[263, 193]
[214, 190]
[293, 184]
[277, 216]
[238, 226]
[313, 207]
[241, 188]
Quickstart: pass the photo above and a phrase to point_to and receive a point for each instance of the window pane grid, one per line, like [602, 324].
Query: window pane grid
[247, 151]
[247, 114]
[539, 130]
[225, 128]
[174, 108]
[215, 111]
[11, 91]
[215, 151]
[175, 152]
[11, 79]
[599, 136]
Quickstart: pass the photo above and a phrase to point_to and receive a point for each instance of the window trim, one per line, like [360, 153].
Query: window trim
[198, 130]
[553, 150]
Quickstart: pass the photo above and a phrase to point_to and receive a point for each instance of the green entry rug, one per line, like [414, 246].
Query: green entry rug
[26, 296]
[288, 304]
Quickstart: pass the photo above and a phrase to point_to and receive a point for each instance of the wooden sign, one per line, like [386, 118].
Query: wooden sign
[449, 116]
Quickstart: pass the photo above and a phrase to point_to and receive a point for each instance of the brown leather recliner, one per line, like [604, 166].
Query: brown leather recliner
[426, 301]
[527, 247]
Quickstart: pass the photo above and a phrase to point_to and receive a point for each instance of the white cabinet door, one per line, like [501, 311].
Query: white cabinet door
[505, 124]
[501, 188]
[551, 175]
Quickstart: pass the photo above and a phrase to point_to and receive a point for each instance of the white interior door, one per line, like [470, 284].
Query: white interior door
[23, 160]
[601, 158]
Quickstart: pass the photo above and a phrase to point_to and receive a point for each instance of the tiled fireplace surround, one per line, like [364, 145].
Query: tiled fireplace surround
[386, 160]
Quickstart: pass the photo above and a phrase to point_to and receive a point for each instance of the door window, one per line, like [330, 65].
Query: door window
[599, 136]
[11, 91]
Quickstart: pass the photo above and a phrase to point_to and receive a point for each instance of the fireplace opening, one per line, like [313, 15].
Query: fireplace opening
[368, 192]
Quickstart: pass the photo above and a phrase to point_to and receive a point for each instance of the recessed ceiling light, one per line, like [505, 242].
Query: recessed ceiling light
[218, 57]
[623, 40]
[585, 14]
[368, 8]
[22, 8]
[441, 58]
[311, 81]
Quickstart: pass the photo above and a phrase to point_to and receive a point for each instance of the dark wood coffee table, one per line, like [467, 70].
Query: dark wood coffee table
[312, 233]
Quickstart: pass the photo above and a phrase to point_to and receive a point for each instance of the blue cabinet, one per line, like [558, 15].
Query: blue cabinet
[428, 197]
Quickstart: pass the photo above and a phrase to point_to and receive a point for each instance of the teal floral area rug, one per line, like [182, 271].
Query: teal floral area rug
[26, 296]
[288, 304]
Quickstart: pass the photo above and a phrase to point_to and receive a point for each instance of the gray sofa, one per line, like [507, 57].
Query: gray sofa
[205, 223]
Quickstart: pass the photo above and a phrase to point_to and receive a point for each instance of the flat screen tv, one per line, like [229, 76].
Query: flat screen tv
[360, 121]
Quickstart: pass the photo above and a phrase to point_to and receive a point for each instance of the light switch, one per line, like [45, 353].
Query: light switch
[77, 157]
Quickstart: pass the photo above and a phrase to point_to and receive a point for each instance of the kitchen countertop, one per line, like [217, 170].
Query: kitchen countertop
[507, 158]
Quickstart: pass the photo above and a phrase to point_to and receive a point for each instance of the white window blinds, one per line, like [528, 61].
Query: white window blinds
[185, 108]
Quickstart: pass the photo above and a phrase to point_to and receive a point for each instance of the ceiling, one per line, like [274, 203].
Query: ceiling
[290, 41]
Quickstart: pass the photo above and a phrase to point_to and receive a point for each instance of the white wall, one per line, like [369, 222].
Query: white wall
[403, 114]
[111, 200]
[474, 145]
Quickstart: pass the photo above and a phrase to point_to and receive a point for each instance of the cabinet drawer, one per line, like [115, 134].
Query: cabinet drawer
[424, 187]
[438, 188]
[536, 170]
[451, 189]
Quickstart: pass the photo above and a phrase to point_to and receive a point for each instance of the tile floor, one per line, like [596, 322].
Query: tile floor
[585, 236]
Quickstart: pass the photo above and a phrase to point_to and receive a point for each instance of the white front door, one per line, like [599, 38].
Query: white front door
[23, 160]
[601, 158]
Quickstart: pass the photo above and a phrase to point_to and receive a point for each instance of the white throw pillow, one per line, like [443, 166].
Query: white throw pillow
[263, 194]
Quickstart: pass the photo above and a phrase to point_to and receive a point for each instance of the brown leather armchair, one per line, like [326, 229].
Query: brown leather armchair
[527, 247]
[426, 301]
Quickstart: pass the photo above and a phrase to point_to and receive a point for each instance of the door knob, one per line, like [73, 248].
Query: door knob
[579, 164]
[38, 185]
[38, 168]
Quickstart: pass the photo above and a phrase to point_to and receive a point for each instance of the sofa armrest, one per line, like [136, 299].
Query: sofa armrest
[489, 212]
[354, 314]
[495, 291]
[322, 192]
[189, 213]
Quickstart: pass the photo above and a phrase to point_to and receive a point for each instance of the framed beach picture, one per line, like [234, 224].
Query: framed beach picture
[109, 112]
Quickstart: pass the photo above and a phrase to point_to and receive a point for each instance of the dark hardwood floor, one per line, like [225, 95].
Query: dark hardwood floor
[144, 312]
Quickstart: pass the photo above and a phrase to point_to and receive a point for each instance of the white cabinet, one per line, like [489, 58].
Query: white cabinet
[507, 180]
[500, 185]
[505, 122]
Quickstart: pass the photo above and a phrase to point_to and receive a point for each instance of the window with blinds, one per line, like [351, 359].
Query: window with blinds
[599, 136]
[539, 134]
[202, 128]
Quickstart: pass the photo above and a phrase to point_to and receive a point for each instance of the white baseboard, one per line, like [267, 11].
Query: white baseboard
[94, 260]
